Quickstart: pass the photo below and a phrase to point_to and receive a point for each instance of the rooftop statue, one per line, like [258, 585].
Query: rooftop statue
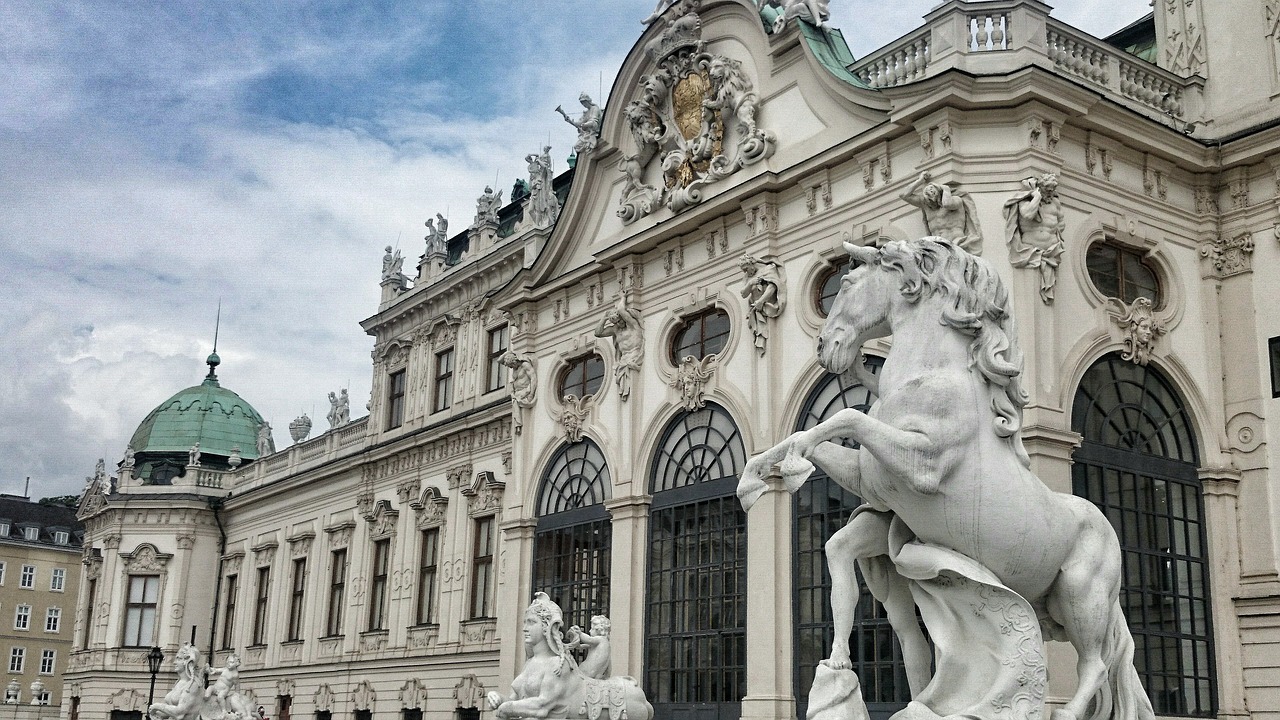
[948, 212]
[814, 12]
[551, 685]
[588, 124]
[544, 207]
[392, 268]
[339, 409]
[487, 206]
[266, 444]
[953, 517]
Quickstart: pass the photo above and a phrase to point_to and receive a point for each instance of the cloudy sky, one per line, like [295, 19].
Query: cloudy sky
[156, 157]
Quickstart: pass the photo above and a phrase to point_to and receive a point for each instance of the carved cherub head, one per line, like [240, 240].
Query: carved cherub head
[600, 626]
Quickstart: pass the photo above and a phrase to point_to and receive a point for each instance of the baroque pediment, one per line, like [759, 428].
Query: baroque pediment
[692, 121]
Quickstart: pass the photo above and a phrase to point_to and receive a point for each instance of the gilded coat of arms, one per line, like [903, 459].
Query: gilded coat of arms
[693, 105]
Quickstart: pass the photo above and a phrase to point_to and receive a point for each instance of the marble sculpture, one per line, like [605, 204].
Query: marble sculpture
[954, 521]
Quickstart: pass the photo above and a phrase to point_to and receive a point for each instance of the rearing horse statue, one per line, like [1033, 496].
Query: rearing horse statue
[950, 497]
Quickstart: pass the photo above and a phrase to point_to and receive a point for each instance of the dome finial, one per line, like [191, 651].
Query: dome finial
[213, 360]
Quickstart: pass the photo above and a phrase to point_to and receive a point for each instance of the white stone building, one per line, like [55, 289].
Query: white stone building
[381, 568]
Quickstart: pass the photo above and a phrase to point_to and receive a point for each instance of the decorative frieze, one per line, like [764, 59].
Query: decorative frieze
[431, 509]
[145, 558]
[373, 641]
[300, 546]
[264, 553]
[673, 260]
[716, 238]
[1229, 256]
[1238, 188]
[382, 524]
[423, 637]
[1153, 180]
[340, 535]
[761, 217]
[440, 451]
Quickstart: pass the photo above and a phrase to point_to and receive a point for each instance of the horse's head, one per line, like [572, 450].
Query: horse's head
[860, 311]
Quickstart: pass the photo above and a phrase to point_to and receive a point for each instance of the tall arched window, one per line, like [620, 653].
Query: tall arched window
[821, 508]
[572, 543]
[1138, 464]
[695, 606]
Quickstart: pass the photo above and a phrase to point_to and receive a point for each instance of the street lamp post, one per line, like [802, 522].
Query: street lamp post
[154, 658]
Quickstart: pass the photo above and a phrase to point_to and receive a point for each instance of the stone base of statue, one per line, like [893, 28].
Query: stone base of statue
[836, 695]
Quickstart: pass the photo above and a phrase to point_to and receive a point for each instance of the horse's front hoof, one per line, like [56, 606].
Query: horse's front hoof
[837, 664]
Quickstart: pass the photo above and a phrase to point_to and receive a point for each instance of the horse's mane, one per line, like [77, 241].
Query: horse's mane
[979, 307]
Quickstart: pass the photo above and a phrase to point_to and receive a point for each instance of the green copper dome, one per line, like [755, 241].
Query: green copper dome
[209, 414]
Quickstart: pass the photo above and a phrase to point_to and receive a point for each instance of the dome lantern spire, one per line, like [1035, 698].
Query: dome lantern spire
[213, 360]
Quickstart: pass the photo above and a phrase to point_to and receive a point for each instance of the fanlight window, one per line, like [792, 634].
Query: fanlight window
[1122, 273]
[1138, 464]
[583, 377]
[701, 335]
[821, 508]
[695, 603]
[573, 541]
[829, 286]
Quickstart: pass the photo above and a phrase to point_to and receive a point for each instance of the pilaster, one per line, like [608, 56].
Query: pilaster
[769, 628]
[630, 528]
[1221, 497]
[515, 590]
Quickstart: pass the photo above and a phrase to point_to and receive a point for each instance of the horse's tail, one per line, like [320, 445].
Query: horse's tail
[1123, 689]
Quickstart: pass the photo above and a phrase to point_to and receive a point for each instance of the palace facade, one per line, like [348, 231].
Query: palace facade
[565, 393]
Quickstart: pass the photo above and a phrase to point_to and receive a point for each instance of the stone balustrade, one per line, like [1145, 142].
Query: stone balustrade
[987, 38]
[306, 454]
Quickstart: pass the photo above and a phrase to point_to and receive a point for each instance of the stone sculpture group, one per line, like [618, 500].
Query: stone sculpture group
[191, 700]
[954, 523]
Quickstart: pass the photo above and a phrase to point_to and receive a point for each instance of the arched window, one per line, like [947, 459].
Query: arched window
[700, 335]
[1122, 272]
[828, 285]
[573, 540]
[1138, 464]
[695, 605]
[821, 508]
[583, 376]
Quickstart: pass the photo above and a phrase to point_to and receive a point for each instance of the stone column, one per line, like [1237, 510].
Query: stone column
[769, 612]
[515, 590]
[1221, 493]
[628, 560]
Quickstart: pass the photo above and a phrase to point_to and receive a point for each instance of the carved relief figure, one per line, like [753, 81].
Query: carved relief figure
[1019, 562]
[764, 288]
[691, 377]
[948, 212]
[524, 385]
[487, 206]
[596, 663]
[622, 323]
[551, 685]
[588, 124]
[1034, 223]
[1140, 327]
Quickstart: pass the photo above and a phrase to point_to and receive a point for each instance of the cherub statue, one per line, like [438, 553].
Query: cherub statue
[764, 291]
[948, 212]
[596, 663]
[1034, 223]
[623, 324]
[588, 124]
[223, 695]
[551, 685]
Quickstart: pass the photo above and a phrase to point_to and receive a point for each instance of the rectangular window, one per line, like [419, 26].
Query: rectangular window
[324, 715]
[260, 607]
[1273, 350]
[58, 581]
[395, 399]
[295, 599]
[229, 611]
[378, 588]
[140, 610]
[427, 574]
[52, 619]
[28, 579]
[62, 537]
[30, 533]
[17, 659]
[498, 342]
[92, 595]
[47, 658]
[411, 714]
[482, 570]
[337, 591]
[22, 618]
[364, 714]
[2, 567]
[444, 380]
[284, 707]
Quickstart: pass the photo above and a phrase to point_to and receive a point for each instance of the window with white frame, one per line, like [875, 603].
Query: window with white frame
[45, 697]
[17, 659]
[58, 580]
[2, 567]
[52, 619]
[31, 533]
[22, 618]
[4, 529]
[140, 610]
[47, 659]
[62, 537]
[28, 579]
